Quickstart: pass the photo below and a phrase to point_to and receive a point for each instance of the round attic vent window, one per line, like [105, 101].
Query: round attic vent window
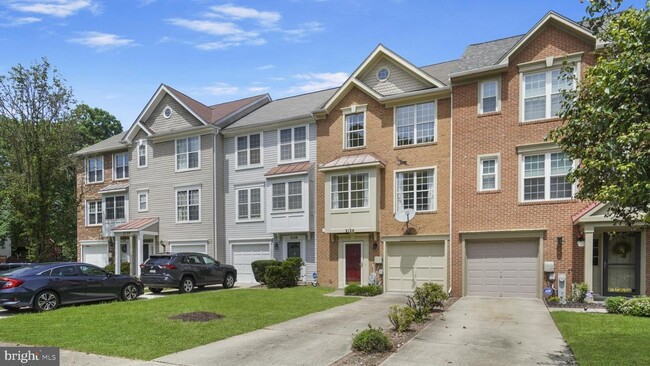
[167, 112]
[383, 74]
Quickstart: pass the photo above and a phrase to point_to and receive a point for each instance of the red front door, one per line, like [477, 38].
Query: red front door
[352, 263]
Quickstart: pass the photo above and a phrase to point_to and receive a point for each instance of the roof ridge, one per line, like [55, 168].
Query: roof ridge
[213, 106]
[440, 63]
[496, 40]
[183, 94]
[308, 93]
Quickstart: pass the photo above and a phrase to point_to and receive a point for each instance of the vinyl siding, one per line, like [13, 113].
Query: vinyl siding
[398, 82]
[180, 118]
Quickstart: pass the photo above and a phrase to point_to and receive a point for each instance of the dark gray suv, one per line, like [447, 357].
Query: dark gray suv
[185, 271]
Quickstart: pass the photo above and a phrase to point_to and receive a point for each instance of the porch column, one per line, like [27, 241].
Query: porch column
[139, 255]
[589, 250]
[118, 254]
[130, 251]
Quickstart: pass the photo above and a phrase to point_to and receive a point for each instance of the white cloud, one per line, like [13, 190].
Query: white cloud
[264, 18]
[211, 46]
[221, 89]
[231, 33]
[56, 8]
[318, 81]
[14, 22]
[265, 67]
[258, 89]
[303, 30]
[102, 40]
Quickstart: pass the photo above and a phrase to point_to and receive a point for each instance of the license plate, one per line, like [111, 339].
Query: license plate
[152, 271]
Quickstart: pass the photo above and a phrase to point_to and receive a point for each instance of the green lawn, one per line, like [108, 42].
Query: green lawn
[142, 330]
[605, 339]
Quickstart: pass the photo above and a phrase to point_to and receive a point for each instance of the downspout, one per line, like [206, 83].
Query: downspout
[451, 190]
[214, 195]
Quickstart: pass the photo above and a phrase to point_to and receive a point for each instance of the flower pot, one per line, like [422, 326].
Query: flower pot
[581, 243]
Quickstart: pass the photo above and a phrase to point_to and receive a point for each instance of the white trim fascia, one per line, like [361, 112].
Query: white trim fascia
[486, 69]
[493, 234]
[504, 60]
[287, 175]
[93, 242]
[542, 147]
[353, 167]
[184, 133]
[397, 99]
[409, 238]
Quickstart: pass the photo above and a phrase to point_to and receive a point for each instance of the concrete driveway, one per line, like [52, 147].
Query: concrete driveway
[316, 339]
[488, 331]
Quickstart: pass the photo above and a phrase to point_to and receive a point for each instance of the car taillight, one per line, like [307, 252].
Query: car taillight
[11, 282]
[168, 266]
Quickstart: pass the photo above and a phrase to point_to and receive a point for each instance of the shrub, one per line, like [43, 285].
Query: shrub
[356, 290]
[613, 304]
[259, 268]
[426, 298]
[283, 274]
[294, 265]
[579, 291]
[553, 300]
[401, 317]
[372, 340]
[638, 306]
[125, 268]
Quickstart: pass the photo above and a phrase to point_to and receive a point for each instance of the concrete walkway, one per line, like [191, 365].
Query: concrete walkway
[316, 339]
[488, 331]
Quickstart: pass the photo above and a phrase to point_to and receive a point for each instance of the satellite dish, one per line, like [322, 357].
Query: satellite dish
[405, 215]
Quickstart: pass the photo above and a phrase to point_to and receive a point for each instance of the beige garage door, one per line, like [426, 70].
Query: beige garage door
[503, 269]
[411, 264]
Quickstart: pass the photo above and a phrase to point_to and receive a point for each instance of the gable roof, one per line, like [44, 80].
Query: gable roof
[485, 54]
[379, 52]
[285, 109]
[217, 115]
[441, 70]
[110, 144]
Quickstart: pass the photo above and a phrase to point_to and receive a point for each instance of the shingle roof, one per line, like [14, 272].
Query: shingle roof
[286, 108]
[110, 144]
[441, 70]
[137, 224]
[485, 54]
[350, 160]
[289, 169]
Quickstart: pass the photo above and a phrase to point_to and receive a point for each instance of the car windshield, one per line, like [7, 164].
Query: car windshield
[158, 260]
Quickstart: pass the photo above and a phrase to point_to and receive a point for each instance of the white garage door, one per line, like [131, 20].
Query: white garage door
[96, 254]
[411, 264]
[507, 269]
[245, 254]
[201, 247]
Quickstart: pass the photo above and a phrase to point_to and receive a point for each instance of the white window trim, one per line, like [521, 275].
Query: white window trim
[479, 172]
[248, 188]
[293, 146]
[101, 158]
[354, 109]
[548, 65]
[143, 142]
[86, 205]
[498, 95]
[435, 187]
[114, 157]
[186, 188]
[286, 182]
[350, 208]
[126, 207]
[285, 246]
[198, 167]
[146, 200]
[547, 176]
[248, 152]
[435, 125]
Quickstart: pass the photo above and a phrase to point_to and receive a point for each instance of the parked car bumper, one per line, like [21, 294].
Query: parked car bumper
[16, 298]
[159, 281]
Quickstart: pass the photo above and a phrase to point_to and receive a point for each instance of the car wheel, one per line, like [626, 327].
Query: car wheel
[46, 301]
[155, 290]
[229, 281]
[130, 292]
[187, 285]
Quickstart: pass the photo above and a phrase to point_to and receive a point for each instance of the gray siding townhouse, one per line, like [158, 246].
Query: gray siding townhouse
[173, 199]
[270, 183]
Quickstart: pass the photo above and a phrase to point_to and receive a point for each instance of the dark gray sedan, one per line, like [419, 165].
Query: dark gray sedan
[45, 286]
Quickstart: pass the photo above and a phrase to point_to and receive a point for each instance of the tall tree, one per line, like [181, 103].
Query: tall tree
[607, 121]
[95, 124]
[37, 137]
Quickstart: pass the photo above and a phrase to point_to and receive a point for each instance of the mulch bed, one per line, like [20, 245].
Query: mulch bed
[198, 316]
[398, 339]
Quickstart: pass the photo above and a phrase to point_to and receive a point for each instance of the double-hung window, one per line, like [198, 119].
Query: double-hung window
[95, 170]
[94, 213]
[187, 153]
[249, 204]
[142, 153]
[545, 177]
[287, 196]
[249, 150]
[115, 208]
[143, 201]
[543, 93]
[489, 99]
[416, 190]
[350, 191]
[188, 205]
[293, 143]
[488, 173]
[355, 130]
[415, 124]
[121, 164]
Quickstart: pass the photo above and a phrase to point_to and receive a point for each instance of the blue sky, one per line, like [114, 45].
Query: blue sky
[115, 53]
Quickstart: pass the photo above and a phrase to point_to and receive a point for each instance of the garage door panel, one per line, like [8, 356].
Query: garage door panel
[96, 254]
[412, 264]
[505, 269]
[245, 254]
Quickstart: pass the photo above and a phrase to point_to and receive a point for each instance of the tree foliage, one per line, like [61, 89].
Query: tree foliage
[607, 121]
[95, 124]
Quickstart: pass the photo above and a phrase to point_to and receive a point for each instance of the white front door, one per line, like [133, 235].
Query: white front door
[245, 254]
